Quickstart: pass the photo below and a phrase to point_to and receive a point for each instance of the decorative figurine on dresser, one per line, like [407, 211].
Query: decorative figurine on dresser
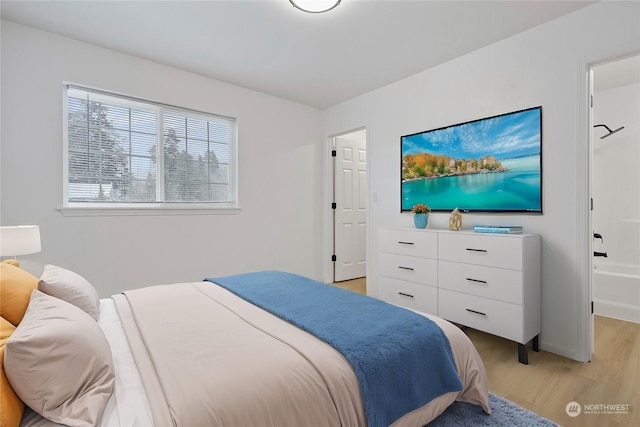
[455, 220]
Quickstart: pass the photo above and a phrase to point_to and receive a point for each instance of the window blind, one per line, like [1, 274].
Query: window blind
[126, 150]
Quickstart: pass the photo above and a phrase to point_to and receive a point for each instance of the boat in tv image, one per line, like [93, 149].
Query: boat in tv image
[492, 164]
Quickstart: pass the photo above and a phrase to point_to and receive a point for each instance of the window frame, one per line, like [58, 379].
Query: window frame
[88, 208]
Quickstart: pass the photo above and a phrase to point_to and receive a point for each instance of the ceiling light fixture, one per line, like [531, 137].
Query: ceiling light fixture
[315, 6]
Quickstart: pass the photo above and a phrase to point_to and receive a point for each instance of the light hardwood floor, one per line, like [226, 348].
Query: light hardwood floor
[549, 382]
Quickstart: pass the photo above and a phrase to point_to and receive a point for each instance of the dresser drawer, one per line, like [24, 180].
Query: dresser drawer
[409, 242]
[495, 317]
[481, 249]
[413, 269]
[407, 294]
[487, 282]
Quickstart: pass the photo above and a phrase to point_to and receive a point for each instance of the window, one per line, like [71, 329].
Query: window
[123, 151]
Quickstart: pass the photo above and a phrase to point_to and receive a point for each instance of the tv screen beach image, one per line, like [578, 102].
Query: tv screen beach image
[487, 165]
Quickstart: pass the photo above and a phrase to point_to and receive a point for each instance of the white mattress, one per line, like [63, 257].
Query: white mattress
[128, 405]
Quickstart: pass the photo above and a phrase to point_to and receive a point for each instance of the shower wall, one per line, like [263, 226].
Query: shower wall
[616, 174]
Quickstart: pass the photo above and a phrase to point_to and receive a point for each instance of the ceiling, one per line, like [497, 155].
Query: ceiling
[269, 46]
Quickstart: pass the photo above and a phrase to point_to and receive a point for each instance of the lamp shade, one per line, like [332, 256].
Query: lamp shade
[19, 240]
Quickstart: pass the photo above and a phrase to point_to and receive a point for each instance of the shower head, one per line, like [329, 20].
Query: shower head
[611, 132]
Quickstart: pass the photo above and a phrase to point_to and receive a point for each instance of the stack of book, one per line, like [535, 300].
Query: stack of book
[501, 229]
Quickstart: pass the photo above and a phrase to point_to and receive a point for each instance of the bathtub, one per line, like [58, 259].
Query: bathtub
[616, 290]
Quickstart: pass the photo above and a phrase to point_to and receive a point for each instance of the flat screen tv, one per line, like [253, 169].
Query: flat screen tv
[492, 164]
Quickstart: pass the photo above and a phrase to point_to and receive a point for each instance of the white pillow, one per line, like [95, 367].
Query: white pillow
[70, 287]
[58, 361]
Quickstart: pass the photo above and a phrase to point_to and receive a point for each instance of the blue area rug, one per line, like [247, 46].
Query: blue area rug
[504, 414]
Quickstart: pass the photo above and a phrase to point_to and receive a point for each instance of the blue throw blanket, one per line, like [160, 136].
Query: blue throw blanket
[402, 360]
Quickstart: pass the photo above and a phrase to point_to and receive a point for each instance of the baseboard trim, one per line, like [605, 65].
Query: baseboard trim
[625, 312]
[560, 351]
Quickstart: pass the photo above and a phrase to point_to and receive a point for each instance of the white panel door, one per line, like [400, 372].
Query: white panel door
[351, 208]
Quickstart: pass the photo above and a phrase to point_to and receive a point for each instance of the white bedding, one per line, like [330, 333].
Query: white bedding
[128, 405]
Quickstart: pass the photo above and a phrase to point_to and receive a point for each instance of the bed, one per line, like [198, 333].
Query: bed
[215, 353]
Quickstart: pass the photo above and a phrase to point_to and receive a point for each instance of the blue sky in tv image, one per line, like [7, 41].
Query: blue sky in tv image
[506, 136]
[490, 165]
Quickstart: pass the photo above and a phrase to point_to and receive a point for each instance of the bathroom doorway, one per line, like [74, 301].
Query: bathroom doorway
[615, 188]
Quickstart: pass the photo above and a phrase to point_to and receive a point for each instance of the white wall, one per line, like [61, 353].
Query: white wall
[285, 145]
[546, 66]
[279, 177]
[616, 173]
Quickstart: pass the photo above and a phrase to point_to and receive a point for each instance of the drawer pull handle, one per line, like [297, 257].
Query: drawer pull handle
[476, 312]
[476, 250]
[476, 280]
[405, 268]
[406, 243]
[405, 295]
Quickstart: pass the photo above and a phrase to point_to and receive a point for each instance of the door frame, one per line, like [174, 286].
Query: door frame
[584, 215]
[328, 269]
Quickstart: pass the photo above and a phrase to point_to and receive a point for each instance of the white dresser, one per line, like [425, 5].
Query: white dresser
[489, 282]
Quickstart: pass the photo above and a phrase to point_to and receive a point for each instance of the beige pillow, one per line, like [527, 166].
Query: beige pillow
[70, 287]
[59, 363]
